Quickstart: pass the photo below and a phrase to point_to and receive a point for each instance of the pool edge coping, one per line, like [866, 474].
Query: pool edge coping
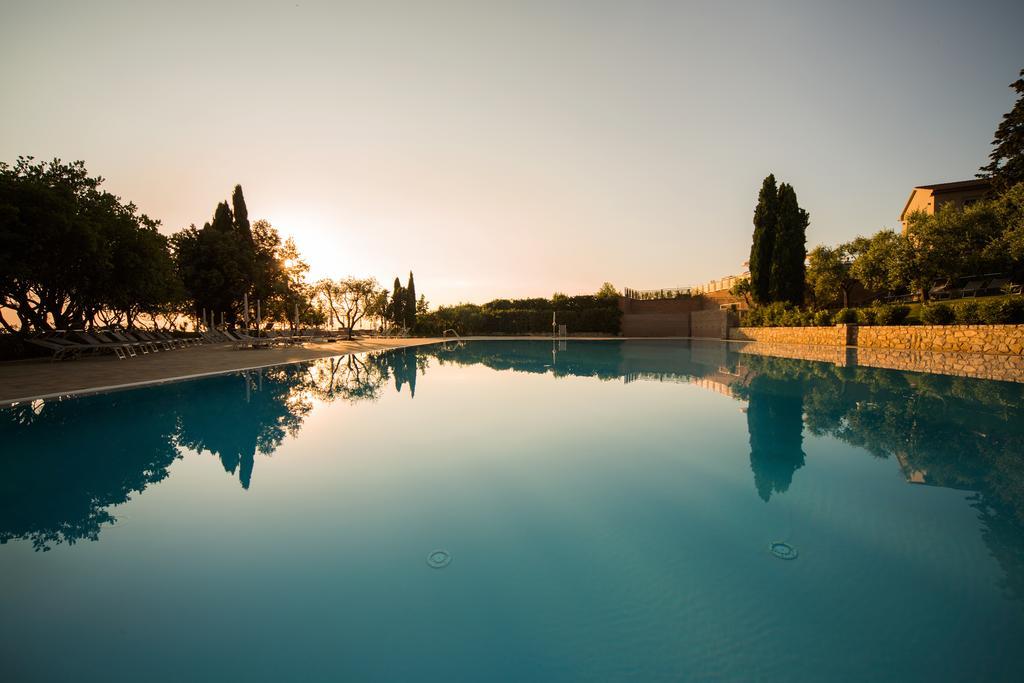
[89, 391]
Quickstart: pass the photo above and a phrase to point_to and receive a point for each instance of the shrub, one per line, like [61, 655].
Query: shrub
[845, 316]
[967, 313]
[772, 315]
[822, 318]
[891, 314]
[937, 314]
[865, 316]
[1004, 312]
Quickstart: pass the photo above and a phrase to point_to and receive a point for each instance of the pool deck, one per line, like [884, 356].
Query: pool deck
[33, 379]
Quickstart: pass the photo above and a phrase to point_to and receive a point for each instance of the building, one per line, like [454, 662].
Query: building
[930, 198]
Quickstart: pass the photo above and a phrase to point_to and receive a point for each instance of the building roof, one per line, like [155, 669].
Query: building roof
[939, 188]
[979, 183]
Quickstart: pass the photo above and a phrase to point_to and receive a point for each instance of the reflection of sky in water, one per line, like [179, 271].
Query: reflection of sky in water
[611, 523]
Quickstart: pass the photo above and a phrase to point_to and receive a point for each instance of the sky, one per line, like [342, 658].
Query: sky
[517, 148]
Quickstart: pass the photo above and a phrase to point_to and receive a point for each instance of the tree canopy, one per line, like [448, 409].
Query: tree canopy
[1006, 160]
[69, 250]
[763, 246]
[778, 249]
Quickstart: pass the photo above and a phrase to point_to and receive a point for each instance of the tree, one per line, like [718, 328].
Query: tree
[230, 258]
[879, 265]
[742, 288]
[410, 303]
[1009, 213]
[398, 301]
[787, 277]
[349, 300]
[1006, 160]
[765, 216]
[357, 299]
[608, 291]
[70, 251]
[380, 308]
[241, 214]
[951, 242]
[829, 276]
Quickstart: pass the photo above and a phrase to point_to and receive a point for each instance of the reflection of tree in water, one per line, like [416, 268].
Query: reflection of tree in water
[944, 431]
[63, 463]
[349, 378]
[775, 421]
[236, 416]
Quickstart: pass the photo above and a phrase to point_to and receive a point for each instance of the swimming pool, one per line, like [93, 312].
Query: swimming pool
[519, 510]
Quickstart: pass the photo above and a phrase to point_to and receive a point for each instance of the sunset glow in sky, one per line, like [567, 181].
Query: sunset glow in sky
[519, 148]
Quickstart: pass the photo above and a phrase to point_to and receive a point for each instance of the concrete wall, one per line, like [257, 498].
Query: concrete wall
[990, 339]
[664, 306]
[709, 324]
[656, 324]
[697, 316]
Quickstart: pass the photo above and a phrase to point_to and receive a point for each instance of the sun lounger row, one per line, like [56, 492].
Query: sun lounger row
[973, 287]
[123, 344]
[970, 287]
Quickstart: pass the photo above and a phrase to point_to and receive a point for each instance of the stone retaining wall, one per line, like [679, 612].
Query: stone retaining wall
[1005, 339]
[818, 336]
[1007, 368]
[991, 339]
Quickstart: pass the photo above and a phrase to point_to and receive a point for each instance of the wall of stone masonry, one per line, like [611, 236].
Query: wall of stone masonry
[991, 339]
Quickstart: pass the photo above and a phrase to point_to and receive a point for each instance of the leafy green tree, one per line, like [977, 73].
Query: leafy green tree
[1009, 215]
[608, 291]
[829, 276]
[230, 258]
[789, 252]
[951, 242]
[70, 251]
[1006, 160]
[356, 298]
[763, 247]
[879, 266]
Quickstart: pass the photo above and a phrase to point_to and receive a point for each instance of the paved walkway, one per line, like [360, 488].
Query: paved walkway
[21, 380]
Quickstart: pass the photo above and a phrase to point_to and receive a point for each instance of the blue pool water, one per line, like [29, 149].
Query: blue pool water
[606, 510]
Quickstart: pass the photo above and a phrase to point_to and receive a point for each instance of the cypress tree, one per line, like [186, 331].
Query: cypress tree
[764, 241]
[410, 303]
[788, 269]
[1006, 161]
[222, 218]
[398, 304]
[241, 212]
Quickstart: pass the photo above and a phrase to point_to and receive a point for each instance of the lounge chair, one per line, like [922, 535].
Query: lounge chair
[165, 340]
[120, 349]
[996, 285]
[972, 288]
[143, 345]
[59, 351]
[124, 338]
[940, 290]
[242, 341]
